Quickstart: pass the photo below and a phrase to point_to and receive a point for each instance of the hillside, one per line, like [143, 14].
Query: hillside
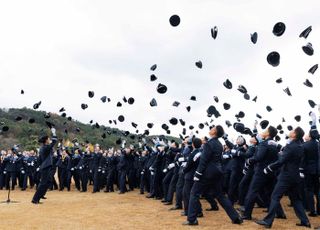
[22, 132]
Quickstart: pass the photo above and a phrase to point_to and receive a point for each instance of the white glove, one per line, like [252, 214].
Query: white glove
[152, 173]
[38, 169]
[90, 171]
[28, 164]
[73, 169]
[265, 171]
[301, 175]
[142, 172]
[23, 172]
[32, 163]
[181, 159]
[244, 171]
[271, 142]
[151, 169]
[165, 170]
[196, 178]
[233, 151]
[103, 171]
[170, 166]
[184, 164]
[99, 170]
[53, 131]
[195, 158]
[80, 167]
[4, 172]
[313, 118]
[225, 156]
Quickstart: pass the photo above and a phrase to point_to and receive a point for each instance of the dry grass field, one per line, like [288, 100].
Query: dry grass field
[74, 210]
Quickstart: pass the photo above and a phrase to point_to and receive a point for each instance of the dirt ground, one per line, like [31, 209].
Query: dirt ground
[74, 210]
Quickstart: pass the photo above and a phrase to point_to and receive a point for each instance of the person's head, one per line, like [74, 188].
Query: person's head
[269, 133]
[253, 140]
[174, 144]
[44, 140]
[296, 134]
[196, 143]
[96, 148]
[241, 141]
[216, 131]
[313, 133]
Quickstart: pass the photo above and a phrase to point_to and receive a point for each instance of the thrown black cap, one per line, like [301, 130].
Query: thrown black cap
[226, 106]
[313, 69]
[173, 121]
[239, 127]
[22, 91]
[228, 123]
[84, 106]
[308, 83]
[130, 100]
[134, 125]
[97, 125]
[165, 126]
[182, 122]
[103, 135]
[176, 104]
[287, 91]
[119, 104]
[31, 120]
[37, 105]
[62, 110]
[153, 102]
[264, 124]
[184, 131]
[63, 115]
[103, 99]
[78, 130]
[279, 29]
[289, 127]
[214, 32]
[119, 141]
[216, 99]
[241, 114]
[91, 94]
[227, 84]
[193, 98]
[255, 99]
[279, 80]
[247, 97]
[124, 99]
[297, 118]
[174, 20]
[18, 118]
[254, 37]
[150, 125]
[269, 109]
[161, 88]
[242, 89]
[153, 67]
[49, 124]
[5, 129]
[308, 49]
[201, 126]
[188, 108]
[191, 127]
[121, 118]
[273, 58]
[312, 103]
[153, 77]
[306, 32]
[199, 64]
[279, 127]
[258, 116]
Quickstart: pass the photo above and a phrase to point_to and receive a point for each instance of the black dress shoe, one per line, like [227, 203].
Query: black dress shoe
[168, 203]
[141, 193]
[120, 192]
[263, 223]
[36, 202]
[199, 215]
[284, 217]
[216, 208]
[158, 198]
[149, 196]
[312, 214]
[190, 223]
[237, 221]
[44, 198]
[246, 217]
[307, 225]
[175, 208]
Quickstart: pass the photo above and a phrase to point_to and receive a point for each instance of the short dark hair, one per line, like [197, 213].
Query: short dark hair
[197, 142]
[43, 139]
[299, 133]
[220, 131]
[272, 131]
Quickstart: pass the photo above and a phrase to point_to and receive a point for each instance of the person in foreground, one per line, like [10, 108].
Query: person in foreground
[208, 178]
[45, 165]
[288, 180]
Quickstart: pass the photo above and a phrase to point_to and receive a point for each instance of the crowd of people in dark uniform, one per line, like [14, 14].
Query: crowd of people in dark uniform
[238, 176]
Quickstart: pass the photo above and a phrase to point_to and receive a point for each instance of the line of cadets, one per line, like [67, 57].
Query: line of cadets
[260, 173]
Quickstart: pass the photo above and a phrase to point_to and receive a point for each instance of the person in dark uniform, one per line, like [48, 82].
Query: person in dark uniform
[73, 170]
[84, 169]
[189, 171]
[45, 162]
[11, 169]
[310, 161]
[62, 164]
[97, 155]
[144, 182]
[208, 177]
[288, 180]
[111, 168]
[266, 154]
[122, 170]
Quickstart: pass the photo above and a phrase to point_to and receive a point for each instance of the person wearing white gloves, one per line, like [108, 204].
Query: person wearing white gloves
[45, 162]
